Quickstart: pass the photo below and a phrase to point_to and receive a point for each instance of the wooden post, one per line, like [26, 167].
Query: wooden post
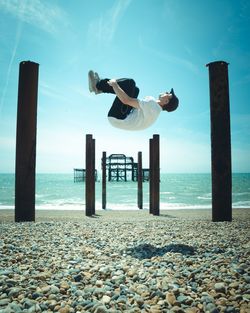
[104, 181]
[156, 169]
[93, 180]
[90, 176]
[155, 175]
[139, 181]
[133, 171]
[125, 170]
[150, 175]
[220, 142]
[26, 142]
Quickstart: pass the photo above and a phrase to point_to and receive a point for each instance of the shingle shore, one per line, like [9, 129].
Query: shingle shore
[126, 261]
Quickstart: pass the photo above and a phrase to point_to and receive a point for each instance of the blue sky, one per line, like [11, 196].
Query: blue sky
[159, 43]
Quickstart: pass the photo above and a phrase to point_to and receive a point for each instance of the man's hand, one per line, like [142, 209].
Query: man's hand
[112, 82]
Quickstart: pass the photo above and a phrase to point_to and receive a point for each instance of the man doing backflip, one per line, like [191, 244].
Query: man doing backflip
[128, 112]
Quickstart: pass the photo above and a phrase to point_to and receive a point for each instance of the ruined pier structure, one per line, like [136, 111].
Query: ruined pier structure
[119, 168]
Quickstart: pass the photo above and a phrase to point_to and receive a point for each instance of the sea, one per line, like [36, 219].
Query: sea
[177, 191]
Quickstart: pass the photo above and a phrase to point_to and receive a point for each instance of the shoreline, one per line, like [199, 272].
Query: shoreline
[7, 215]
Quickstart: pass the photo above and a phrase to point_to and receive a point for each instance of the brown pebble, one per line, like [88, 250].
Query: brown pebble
[64, 285]
[192, 310]
[57, 308]
[177, 309]
[63, 291]
[64, 310]
[200, 306]
[170, 297]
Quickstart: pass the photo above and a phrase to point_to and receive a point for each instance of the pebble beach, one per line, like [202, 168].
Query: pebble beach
[125, 261]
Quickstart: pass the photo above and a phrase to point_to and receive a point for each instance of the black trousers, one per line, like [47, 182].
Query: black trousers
[118, 109]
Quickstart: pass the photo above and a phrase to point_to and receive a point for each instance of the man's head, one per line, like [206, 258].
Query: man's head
[171, 102]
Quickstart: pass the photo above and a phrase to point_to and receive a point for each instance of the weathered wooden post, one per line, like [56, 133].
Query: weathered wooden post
[90, 177]
[93, 180]
[139, 181]
[154, 175]
[150, 175]
[26, 142]
[220, 142]
[104, 181]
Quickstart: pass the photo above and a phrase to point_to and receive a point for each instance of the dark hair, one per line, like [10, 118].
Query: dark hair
[172, 104]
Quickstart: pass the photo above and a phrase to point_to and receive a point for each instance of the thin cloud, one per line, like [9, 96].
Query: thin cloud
[13, 55]
[52, 93]
[82, 91]
[58, 96]
[34, 12]
[103, 28]
[37, 13]
[171, 58]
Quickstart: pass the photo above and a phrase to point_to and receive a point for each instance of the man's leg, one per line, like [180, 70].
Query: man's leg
[124, 109]
[127, 84]
[118, 109]
[98, 85]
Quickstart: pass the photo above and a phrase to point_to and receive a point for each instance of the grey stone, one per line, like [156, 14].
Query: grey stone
[207, 299]
[14, 292]
[122, 299]
[247, 278]
[139, 300]
[4, 302]
[220, 287]
[101, 309]
[181, 299]
[210, 307]
[5, 272]
[54, 290]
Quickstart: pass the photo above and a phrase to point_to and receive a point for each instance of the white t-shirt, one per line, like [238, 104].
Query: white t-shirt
[140, 118]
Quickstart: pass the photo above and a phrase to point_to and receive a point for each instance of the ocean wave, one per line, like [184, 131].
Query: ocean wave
[237, 194]
[117, 207]
[241, 204]
[166, 193]
[204, 198]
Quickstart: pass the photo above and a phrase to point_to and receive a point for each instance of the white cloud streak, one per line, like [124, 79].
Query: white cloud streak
[103, 28]
[13, 54]
[171, 58]
[63, 94]
[36, 13]
[50, 92]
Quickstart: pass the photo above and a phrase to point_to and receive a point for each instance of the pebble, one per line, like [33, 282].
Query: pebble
[4, 302]
[148, 265]
[220, 287]
[106, 299]
[171, 299]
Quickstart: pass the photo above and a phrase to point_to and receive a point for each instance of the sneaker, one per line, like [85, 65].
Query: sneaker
[93, 80]
[97, 79]
[92, 84]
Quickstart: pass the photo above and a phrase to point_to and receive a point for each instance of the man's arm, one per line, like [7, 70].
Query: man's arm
[121, 94]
